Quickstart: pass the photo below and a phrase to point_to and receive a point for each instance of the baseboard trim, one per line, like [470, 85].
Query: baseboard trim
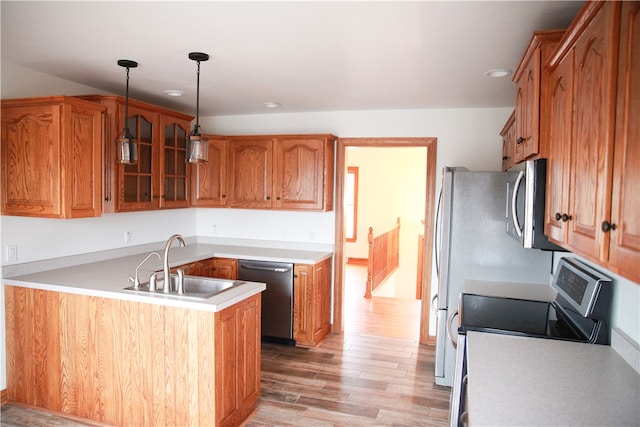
[3, 397]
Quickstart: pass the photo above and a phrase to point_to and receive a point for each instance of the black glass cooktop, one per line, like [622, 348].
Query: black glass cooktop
[515, 317]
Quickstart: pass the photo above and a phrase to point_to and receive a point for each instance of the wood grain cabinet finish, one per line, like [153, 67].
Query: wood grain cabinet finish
[286, 172]
[624, 250]
[594, 164]
[237, 356]
[312, 303]
[126, 363]
[531, 96]
[219, 268]
[159, 179]
[508, 134]
[209, 180]
[51, 157]
[250, 166]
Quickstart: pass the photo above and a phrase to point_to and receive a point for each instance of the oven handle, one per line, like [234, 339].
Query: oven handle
[452, 340]
[514, 204]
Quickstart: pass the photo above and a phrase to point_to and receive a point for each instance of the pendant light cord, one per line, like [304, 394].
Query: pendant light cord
[126, 109]
[197, 129]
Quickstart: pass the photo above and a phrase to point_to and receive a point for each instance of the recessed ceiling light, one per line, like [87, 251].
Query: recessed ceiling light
[497, 72]
[270, 104]
[174, 92]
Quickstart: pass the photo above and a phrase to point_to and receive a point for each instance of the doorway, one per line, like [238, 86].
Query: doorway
[339, 271]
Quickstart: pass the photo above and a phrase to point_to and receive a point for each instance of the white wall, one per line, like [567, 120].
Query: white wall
[466, 137]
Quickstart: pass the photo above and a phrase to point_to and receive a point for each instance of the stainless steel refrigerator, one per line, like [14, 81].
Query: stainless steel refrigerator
[472, 244]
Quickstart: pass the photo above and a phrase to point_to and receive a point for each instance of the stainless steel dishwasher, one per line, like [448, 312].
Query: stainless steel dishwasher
[277, 298]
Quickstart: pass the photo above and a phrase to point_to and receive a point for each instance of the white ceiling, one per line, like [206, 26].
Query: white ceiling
[306, 55]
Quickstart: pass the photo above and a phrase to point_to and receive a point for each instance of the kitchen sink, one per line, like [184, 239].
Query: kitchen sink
[194, 287]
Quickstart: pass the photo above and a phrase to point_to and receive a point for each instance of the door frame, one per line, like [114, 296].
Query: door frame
[338, 272]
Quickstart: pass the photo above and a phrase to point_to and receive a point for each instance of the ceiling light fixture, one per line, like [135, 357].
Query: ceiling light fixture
[127, 147]
[270, 104]
[197, 145]
[498, 72]
[173, 92]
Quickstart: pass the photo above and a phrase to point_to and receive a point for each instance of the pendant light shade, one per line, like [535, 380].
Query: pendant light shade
[197, 145]
[127, 147]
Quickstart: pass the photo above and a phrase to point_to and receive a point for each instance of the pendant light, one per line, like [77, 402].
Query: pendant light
[197, 145]
[127, 147]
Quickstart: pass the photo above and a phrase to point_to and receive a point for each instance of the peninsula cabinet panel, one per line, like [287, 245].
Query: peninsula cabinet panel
[624, 251]
[209, 180]
[249, 172]
[125, 363]
[238, 361]
[51, 157]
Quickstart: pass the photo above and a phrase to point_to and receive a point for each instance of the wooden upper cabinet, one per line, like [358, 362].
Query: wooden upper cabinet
[558, 167]
[174, 184]
[289, 172]
[209, 180]
[157, 180]
[51, 157]
[249, 172]
[624, 251]
[531, 96]
[303, 173]
[508, 142]
[593, 123]
[594, 163]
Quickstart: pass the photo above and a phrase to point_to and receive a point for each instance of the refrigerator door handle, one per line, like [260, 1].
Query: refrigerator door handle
[436, 240]
[514, 204]
[452, 340]
[434, 304]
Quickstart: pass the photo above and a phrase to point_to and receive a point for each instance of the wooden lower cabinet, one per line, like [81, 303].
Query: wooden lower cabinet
[127, 363]
[237, 356]
[312, 303]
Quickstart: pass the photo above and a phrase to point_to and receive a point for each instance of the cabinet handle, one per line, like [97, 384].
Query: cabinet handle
[607, 226]
[268, 197]
[566, 217]
[505, 157]
[558, 216]
[520, 140]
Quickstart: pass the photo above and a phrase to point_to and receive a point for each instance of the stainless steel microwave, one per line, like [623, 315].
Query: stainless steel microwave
[525, 205]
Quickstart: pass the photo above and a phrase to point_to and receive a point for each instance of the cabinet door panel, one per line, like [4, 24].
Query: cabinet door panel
[209, 180]
[592, 141]
[298, 179]
[558, 172]
[174, 177]
[249, 173]
[31, 160]
[138, 187]
[625, 239]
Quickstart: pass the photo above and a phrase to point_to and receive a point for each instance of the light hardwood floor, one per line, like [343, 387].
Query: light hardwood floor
[375, 374]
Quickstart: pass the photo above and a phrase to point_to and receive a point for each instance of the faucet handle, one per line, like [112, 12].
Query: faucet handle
[180, 280]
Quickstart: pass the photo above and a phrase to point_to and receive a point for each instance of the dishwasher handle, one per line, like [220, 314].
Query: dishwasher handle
[274, 269]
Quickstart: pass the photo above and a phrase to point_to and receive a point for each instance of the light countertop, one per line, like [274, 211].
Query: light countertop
[535, 382]
[109, 277]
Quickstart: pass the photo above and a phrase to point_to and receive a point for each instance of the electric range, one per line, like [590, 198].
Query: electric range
[580, 311]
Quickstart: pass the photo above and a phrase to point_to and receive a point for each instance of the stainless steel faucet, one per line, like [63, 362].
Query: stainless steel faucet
[166, 272]
[136, 280]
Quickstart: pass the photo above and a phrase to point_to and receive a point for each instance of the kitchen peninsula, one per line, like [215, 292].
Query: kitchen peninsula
[78, 344]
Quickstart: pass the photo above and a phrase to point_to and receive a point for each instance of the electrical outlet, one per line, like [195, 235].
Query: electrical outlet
[128, 237]
[12, 253]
